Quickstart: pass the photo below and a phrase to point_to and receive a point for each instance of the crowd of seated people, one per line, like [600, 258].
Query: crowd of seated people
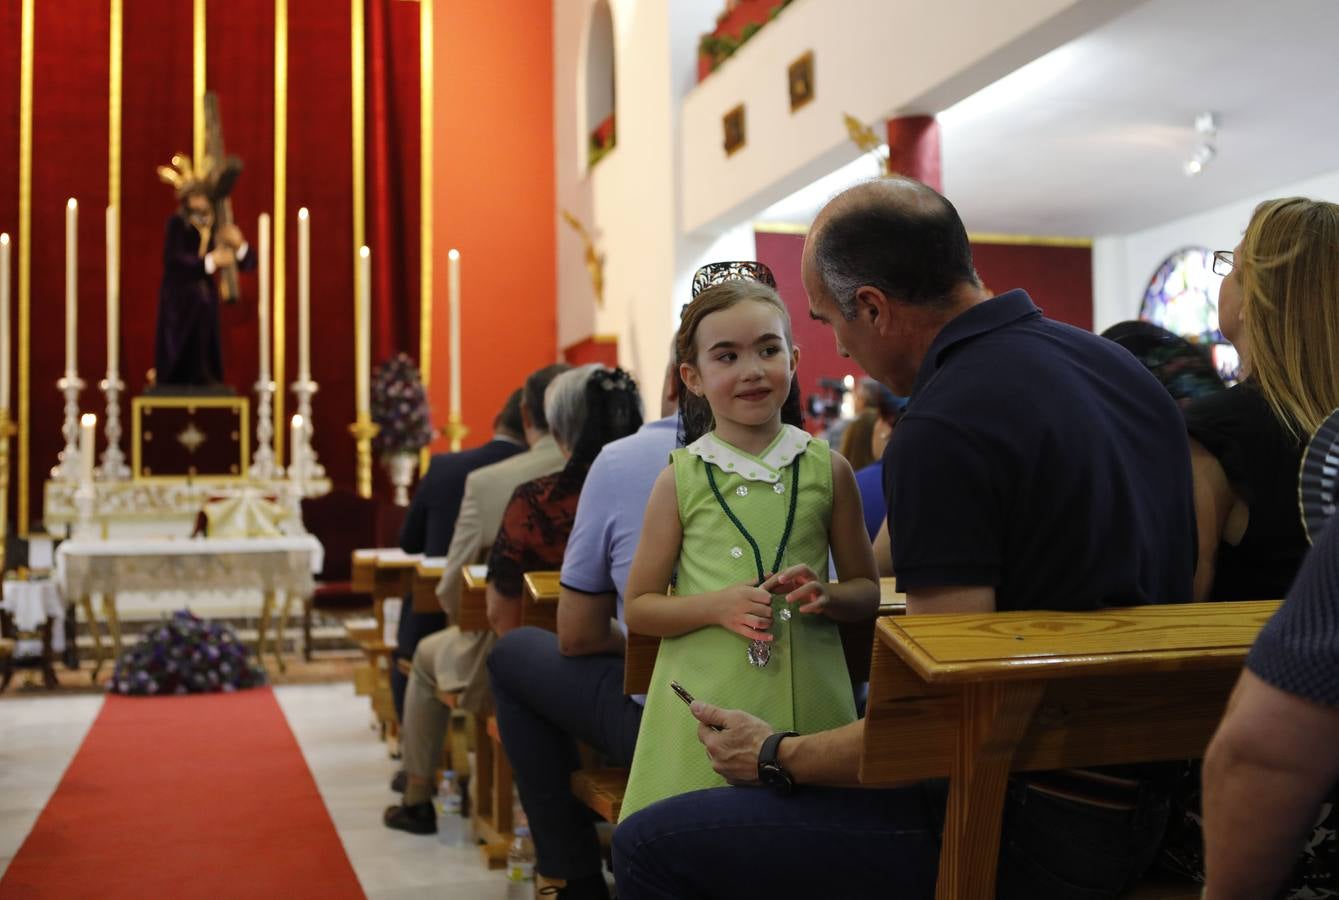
[1035, 466]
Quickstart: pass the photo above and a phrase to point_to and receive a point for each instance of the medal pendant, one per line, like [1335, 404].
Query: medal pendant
[760, 653]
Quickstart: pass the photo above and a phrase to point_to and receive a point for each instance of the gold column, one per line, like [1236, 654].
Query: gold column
[364, 429]
[198, 83]
[280, 215]
[25, 253]
[425, 151]
[114, 110]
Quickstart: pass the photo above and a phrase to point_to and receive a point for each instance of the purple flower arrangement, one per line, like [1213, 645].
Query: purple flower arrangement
[400, 407]
[186, 655]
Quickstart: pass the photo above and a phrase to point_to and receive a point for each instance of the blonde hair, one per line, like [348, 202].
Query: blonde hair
[858, 440]
[1289, 264]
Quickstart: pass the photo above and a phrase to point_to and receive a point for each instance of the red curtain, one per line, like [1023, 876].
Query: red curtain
[393, 199]
[70, 69]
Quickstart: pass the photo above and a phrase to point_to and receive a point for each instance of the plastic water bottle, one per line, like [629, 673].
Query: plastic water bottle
[450, 826]
[521, 866]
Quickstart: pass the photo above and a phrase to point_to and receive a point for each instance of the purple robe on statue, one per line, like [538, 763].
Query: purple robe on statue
[187, 350]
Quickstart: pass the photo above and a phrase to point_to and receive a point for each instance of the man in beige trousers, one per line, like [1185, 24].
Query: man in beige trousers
[451, 659]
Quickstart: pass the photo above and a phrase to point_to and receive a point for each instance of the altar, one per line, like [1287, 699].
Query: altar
[275, 566]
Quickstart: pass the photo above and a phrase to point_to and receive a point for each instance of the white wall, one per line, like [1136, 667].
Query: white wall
[1123, 264]
[629, 201]
[873, 59]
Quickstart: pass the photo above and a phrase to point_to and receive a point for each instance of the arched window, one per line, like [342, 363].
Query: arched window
[600, 136]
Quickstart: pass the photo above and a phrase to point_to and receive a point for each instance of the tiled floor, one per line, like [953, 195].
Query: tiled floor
[39, 736]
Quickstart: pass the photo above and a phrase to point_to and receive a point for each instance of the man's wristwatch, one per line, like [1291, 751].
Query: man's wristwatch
[770, 772]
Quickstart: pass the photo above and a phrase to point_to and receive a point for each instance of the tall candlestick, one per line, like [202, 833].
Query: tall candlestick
[363, 337]
[88, 424]
[113, 295]
[304, 295]
[71, 282]
[296, 434]
[4, 322]
[263, 264]
[453, 302]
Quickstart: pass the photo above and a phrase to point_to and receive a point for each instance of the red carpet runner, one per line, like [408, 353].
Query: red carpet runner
[197, 796]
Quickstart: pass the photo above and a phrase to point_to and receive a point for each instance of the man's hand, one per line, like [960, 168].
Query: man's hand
[231, 236]
[734, 748]
[223, 256]
[746, 610]
[804, 585]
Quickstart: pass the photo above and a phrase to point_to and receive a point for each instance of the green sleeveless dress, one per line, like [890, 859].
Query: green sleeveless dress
[805, 687]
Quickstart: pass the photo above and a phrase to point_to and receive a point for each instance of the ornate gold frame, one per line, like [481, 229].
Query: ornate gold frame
[137, 406]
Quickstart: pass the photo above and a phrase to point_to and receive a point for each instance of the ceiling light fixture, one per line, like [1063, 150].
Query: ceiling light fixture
[1206, 126]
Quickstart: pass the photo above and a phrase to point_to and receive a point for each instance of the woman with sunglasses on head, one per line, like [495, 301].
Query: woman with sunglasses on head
[1279, 306]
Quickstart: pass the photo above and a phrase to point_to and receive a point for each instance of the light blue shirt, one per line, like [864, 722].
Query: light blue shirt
[610, 512]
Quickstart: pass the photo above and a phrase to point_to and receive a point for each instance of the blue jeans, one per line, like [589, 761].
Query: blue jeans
[545, 702]
[413, 628]
[860, 842]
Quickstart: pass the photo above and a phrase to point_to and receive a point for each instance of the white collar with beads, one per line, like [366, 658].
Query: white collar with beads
[789, 443]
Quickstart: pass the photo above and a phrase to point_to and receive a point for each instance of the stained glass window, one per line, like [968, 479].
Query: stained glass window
[1182, 297]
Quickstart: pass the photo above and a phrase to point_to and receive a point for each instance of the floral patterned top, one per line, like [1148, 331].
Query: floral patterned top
[534, 531]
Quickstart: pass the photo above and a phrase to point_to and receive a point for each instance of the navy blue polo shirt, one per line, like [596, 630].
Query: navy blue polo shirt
[1044, 461]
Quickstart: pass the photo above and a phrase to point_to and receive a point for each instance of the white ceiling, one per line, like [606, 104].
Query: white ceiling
[1090, 139]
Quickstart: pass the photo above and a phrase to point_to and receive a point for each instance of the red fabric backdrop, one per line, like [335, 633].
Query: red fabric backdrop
[70, 100]
[1059, 279]
[494, 200]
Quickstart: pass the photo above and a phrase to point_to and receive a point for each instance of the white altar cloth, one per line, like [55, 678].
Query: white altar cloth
[285, 564]
[31, 603]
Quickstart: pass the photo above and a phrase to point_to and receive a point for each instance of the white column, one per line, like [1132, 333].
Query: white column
[363, 334]
[263, 264]
[453, 301]
[304, 295]
[113, 294]
[71, 284]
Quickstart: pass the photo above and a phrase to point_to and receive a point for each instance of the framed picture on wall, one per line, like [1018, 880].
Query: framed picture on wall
[733, 124]
[800, 76]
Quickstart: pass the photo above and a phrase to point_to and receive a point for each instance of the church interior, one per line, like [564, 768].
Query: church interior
[278, 276]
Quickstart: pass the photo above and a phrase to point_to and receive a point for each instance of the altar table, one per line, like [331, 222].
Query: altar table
[270, 565]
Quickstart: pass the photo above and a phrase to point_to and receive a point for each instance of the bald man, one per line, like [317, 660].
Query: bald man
[1036, 467]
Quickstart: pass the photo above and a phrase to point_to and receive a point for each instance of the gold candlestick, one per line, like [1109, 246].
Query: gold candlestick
[7, 431]
[363, 431]
[455, 431]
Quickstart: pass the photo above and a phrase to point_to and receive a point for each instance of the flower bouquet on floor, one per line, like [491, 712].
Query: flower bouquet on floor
[400, 408]
[186, 655]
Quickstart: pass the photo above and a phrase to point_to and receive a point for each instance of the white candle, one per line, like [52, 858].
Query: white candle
[363, 335]
[113, 295]
[453, 304]
[263, 264]
[4, 321]
[88, 424]
[295, 449]
[304, 295]
[71, 283]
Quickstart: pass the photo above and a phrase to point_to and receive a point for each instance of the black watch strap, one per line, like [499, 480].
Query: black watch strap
[770, 772]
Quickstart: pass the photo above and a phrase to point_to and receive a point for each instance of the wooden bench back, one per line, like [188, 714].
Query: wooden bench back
[539, 602]
[974, 697]
[473, 599]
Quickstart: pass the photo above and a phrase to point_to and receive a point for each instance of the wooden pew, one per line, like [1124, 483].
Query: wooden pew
[428, 572]
[602, 789]
[539, 602]
[975, 697]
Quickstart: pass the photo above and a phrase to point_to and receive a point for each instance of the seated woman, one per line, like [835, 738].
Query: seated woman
[587, 407]
[1279, 305]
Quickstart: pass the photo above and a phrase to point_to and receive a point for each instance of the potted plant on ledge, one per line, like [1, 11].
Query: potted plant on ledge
[400, 407]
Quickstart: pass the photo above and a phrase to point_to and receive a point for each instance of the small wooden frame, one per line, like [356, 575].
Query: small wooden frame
[800, 80]
[734, 129]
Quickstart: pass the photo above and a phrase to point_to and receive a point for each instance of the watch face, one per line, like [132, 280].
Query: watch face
[773, 776]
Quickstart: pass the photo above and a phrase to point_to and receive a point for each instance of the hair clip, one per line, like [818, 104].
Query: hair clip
[716, 273]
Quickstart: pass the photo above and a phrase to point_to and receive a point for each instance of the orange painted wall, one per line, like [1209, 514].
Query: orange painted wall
[494, 200]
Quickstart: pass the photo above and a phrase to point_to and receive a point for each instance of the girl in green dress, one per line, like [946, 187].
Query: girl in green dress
[742, 520]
